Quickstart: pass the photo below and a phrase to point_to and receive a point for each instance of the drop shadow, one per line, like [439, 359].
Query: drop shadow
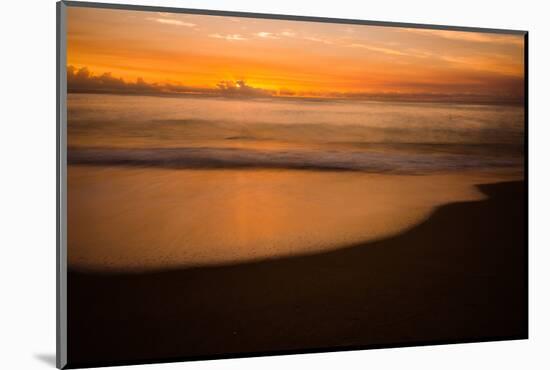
[46, 358]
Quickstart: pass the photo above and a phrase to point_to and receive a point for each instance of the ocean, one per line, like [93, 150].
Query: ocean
[300, 134]
[170, 182]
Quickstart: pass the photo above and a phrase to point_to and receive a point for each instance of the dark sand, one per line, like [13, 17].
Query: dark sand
[458, 276]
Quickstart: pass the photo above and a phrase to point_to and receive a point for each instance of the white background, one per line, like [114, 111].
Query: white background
[27, 183]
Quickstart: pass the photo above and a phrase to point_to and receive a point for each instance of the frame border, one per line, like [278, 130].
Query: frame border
[61, 186]
[225, 13]
[61, 175]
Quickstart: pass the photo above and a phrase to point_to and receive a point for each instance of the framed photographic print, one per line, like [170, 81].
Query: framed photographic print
[236, 184]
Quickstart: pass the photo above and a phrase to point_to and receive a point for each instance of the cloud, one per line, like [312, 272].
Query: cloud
[172, 22]
[286, 92]
[241, 88]
[83, 81]
[378, 49]
[420, 53]
[318, 39]
[476, 37]
[228, 37]
[266, 35]
[473, 88]
[279, 35]
[287, 34]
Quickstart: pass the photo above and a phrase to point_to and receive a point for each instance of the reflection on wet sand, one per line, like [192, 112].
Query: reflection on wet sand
[143, 218]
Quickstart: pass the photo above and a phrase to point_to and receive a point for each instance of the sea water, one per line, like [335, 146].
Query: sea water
[156, 182]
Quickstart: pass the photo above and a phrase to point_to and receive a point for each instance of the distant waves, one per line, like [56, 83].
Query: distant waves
[329, 160]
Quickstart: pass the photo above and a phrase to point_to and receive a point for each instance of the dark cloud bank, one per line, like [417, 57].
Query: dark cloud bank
[83, 81]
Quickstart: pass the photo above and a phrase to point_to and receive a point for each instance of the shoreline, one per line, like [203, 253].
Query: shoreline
[141, 219]
[457, 276]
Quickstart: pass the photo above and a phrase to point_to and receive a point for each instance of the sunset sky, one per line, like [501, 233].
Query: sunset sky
[208, 54]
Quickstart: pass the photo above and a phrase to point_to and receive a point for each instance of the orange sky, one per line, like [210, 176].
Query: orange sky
[289, 57]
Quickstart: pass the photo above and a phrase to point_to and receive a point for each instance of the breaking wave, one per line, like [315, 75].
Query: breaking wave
[210, 158]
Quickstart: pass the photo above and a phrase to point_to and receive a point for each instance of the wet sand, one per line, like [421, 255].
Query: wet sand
[459, 275]
[145, 219]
